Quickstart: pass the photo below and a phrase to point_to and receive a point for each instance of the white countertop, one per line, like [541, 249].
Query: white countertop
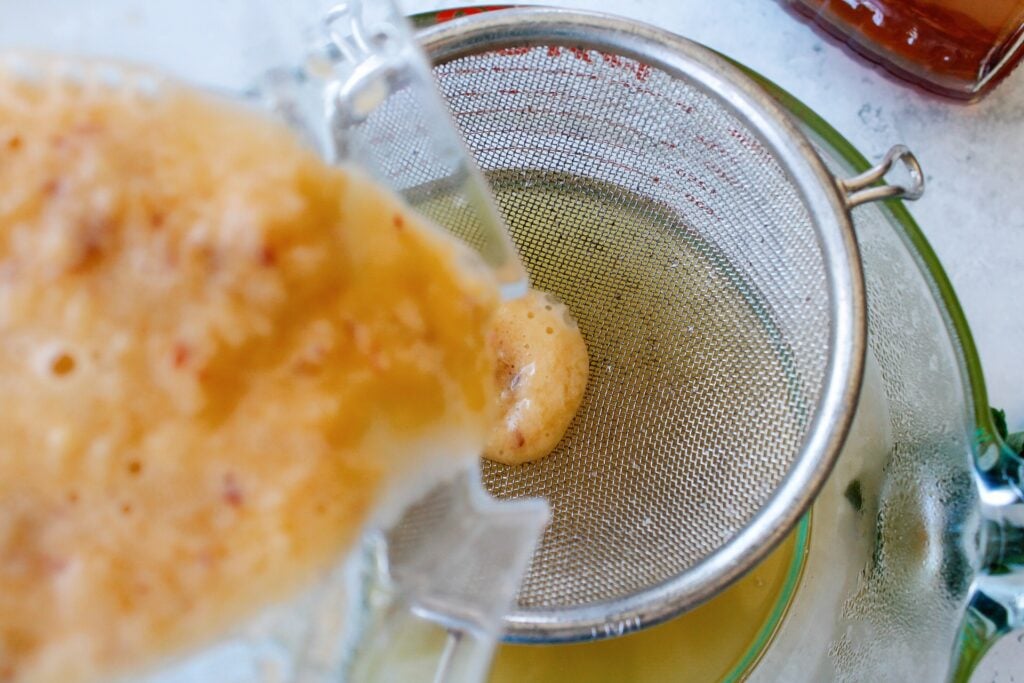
[973, 157]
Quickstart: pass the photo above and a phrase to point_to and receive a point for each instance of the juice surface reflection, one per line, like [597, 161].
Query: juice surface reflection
[717, 641]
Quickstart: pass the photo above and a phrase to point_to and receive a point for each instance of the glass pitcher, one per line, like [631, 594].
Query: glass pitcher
[323, 67]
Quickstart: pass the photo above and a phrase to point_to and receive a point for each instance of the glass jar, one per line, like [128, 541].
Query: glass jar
[958, 48]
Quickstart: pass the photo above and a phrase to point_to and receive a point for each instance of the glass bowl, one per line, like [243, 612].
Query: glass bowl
[913, 563]
[915, 559]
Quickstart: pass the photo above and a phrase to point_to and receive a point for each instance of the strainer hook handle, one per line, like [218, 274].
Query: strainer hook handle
[863, 188]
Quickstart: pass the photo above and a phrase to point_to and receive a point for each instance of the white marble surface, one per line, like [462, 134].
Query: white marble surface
[973, 156]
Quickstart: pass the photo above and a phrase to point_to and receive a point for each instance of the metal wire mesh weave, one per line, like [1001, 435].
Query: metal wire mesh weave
[701, 282]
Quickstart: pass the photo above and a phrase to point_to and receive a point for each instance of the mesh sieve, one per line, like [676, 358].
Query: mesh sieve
[709, 259]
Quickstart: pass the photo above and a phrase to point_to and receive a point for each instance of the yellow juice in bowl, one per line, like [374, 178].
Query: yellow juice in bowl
[719, 640]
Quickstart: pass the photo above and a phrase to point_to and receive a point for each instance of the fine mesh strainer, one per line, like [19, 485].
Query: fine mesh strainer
[709, 258]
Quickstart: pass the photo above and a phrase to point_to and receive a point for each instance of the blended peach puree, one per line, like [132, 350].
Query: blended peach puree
[214, 350]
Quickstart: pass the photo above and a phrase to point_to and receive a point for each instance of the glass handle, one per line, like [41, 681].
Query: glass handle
[997, 603]
[401, 646]
[432, 589]
[464, 659]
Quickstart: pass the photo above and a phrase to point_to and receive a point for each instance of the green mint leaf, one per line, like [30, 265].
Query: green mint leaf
[999, 417]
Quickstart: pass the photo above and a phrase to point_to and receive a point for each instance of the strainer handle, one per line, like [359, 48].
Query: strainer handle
[864, 188]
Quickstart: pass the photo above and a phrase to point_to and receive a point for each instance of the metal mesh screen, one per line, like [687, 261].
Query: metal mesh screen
[697, 278]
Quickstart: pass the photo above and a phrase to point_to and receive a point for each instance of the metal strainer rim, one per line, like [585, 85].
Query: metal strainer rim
[704, 69]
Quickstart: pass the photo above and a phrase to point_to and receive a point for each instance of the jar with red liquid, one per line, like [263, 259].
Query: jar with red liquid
[958, 48]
